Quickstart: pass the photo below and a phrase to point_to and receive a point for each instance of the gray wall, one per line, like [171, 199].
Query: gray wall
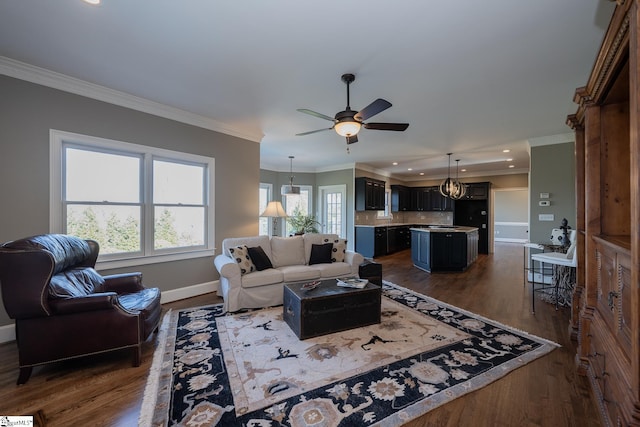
[28, 111]
[553, 172]
[338, 177]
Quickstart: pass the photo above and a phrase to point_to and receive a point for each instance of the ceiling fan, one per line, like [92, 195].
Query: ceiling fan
[347, 123]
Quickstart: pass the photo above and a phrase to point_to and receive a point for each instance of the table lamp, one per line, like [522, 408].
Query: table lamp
[274, 210]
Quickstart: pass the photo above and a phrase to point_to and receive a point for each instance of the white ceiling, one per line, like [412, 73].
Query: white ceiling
[471, 77]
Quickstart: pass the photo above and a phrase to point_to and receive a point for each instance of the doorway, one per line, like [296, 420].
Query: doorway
[511, 215]
[333, 209]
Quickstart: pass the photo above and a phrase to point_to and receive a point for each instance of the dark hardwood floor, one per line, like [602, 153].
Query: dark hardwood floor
[106, 390]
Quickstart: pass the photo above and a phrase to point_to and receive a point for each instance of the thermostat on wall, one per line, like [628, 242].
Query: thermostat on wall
[544, 203]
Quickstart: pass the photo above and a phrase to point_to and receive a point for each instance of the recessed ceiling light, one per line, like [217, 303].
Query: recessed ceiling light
[506, 151]
[410, 169]
[421, 173]
[511, 166]
[509, 160]
[395, 163]
[463, 170]
[92, 1]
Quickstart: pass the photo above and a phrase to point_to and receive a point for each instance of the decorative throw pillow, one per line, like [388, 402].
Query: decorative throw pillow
[321, 254]
[260, 258]
[339, 249]
[241, 255]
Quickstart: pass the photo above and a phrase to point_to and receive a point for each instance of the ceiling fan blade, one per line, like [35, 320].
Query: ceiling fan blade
[386, 126]
[316, 114]
[313, 131]
[352, 139]
[372, 109]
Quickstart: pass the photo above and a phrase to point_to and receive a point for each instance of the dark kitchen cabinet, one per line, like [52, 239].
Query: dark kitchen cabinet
[473, 211]
[449, 251]
[477, 191]
[443, 251]
[420, 199]
[400, 198]
[369, 194]
[438, 202]
[398, 238]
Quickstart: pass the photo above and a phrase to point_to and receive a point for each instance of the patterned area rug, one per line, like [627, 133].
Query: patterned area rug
[250, 369]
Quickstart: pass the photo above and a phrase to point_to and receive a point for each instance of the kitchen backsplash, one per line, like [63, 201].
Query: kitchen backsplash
[371, 218]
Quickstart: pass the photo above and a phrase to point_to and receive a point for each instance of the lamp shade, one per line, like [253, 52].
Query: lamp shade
[347, 128]
[275, 210]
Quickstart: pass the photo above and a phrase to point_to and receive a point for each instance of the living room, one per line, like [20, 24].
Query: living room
[36, 102]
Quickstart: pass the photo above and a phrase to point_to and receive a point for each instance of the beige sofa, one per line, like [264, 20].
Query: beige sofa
[243, 288]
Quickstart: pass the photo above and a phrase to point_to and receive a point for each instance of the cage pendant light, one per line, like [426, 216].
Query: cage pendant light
[451, 188]
[290, 189]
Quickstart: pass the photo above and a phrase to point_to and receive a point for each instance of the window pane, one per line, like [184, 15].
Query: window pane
[179, 227]
[115, 228]
[92, 176]
[177, 183]
[263, 223]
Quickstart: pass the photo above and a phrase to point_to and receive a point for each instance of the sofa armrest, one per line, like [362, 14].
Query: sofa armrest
[124, 283]
[353, 258]
[227, 267]
[93, 302]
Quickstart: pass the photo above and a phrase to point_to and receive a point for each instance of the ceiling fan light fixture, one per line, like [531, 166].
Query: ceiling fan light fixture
[347, 128]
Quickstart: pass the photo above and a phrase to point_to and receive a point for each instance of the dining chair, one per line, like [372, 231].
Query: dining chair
[568, 259]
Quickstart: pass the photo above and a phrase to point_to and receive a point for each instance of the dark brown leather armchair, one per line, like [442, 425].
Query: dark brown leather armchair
[63, 308]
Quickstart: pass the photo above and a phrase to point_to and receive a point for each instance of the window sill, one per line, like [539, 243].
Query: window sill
[153, 259]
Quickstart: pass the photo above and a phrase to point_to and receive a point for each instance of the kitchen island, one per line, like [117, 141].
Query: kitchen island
[443, 248]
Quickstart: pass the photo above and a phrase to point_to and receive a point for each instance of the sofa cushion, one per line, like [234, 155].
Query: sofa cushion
[287, 251]
[321, 254]
[316, 239]
[299, 273]
[241, 255]
[76, 282]
[338, 250]
[335, 269]
[262, 278]
[251, 242]
[260, 258]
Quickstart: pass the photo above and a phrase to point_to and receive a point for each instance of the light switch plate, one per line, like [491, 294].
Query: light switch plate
[546, 217]
[544, 203]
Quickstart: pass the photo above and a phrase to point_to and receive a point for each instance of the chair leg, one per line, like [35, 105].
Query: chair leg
[137, 355]
[25, 373]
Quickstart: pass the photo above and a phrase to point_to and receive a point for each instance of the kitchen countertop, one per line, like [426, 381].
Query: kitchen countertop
[444, 229]
[409, 224]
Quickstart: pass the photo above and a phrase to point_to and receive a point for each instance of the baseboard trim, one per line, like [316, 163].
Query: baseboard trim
[8, 332]
[189, 291]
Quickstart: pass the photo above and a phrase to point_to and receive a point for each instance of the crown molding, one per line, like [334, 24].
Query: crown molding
[44, 77]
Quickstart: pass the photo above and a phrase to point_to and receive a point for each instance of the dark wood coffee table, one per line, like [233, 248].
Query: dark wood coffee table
[329, 308]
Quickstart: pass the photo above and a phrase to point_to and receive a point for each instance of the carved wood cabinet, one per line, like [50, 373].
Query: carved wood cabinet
[606, 314]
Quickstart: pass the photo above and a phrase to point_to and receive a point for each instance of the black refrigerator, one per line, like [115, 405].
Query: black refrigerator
[474, 213]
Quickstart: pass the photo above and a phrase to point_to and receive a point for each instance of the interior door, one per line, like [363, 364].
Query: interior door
[333, 209]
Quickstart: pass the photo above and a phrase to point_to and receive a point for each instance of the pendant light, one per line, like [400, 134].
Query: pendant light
[289, 190]
[452, 188]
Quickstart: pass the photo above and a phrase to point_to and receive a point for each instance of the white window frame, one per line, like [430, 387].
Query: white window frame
[322, 191]
[386, 213]
[308, 188]
[269, 188]
[58, 140]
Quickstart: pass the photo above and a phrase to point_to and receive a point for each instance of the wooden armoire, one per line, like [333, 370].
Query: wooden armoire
[606, 309]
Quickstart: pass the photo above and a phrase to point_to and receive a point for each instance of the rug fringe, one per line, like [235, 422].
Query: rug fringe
[150, 395]
[479, 316]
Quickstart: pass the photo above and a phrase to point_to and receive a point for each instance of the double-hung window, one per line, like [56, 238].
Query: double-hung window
[140, 203]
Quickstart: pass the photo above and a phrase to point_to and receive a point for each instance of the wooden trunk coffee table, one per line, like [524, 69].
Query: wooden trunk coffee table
[329, 308]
